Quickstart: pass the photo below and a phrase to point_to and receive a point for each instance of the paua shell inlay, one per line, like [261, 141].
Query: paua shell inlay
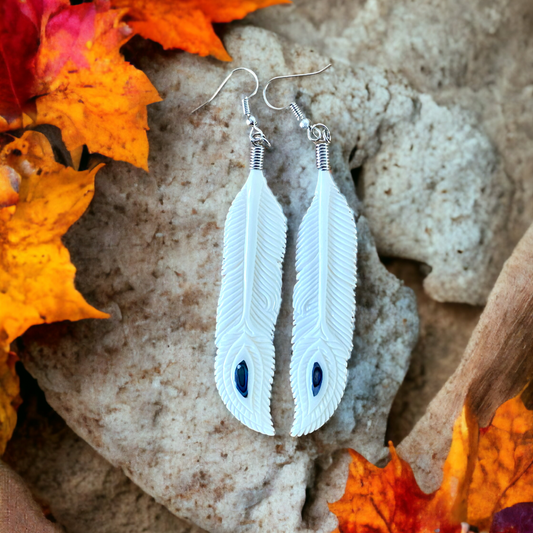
[241, 378]
[317, 378]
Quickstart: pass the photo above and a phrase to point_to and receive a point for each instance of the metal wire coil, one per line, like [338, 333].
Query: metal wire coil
[322, 156]
[256, 157]
[246, 106]
[298, 113]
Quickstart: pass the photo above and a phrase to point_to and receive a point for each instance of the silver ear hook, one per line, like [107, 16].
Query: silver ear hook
[286, 77]
[318, 133]
[221, 86]
[257, 137]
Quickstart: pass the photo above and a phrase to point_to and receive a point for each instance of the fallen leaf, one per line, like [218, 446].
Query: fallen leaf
[9, 397]
[486, 471]
[72, 75]
[515, 519]
[19, 42]
[503, 475]
[36, 275]
[96, 98]
[389, 500]
[187, 24]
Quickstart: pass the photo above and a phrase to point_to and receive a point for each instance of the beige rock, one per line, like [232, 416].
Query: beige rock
[140, 386]
[470, 56]
[447, 206]
[81, 490]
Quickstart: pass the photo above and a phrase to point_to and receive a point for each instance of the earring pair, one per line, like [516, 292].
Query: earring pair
[250, 295]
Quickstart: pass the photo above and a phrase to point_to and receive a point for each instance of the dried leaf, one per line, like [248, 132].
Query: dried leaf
[481, 477]
[36, 275]
[9, 397]
[19, 41]
[95, 98]
[187, 24]
[75, 69]
[504, 469]
[388, 500]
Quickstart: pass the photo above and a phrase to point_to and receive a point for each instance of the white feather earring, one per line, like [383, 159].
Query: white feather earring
[250, 295]
[324, 294]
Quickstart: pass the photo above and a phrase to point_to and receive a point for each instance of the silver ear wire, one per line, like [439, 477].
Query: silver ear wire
[257, 137]
[245, 105]
[317, 133]
[284, 78]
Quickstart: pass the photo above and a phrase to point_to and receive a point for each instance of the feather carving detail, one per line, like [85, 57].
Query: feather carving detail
[324, 306]
[249, 302]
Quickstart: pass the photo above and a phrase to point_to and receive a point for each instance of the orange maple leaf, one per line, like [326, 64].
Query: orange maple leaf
[389, 500]
[504, 469]
[9, 397]
[36, 275]
[96, 98]
[187, 24]
[74, 77]
[486, 471]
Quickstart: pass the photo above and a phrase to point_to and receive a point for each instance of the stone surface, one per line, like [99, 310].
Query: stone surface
[140, 386]
[461, 206]
[446, 207]
[445, 329]
[79, 489]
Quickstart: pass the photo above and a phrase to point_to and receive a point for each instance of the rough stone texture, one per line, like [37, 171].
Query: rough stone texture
[460, 207]
[140, 386]
[445, 329]
[447, 206]
[77, 486]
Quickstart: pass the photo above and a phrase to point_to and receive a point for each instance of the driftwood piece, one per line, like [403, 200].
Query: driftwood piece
[497, 365]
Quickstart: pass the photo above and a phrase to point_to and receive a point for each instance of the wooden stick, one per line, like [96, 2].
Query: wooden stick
[496, 366]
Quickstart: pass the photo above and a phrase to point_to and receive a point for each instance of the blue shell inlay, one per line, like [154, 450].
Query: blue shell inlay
[316, 378]
[241, 378]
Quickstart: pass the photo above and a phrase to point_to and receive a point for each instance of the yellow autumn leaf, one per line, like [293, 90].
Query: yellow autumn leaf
[36, 275]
